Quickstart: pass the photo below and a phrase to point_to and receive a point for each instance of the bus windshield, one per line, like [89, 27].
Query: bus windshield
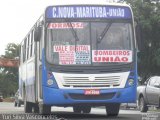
[89, 43]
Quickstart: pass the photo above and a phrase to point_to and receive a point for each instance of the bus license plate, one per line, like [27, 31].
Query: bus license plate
[91, 92]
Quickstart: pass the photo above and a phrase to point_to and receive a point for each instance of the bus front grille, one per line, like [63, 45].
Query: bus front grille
[87, 81]
[91, 81]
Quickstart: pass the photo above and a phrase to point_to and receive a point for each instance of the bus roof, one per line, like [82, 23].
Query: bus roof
[93, 3]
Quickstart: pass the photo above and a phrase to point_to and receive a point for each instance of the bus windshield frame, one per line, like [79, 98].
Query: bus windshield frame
[92, 38]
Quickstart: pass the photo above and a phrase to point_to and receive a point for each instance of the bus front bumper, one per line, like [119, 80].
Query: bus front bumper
[60, 97]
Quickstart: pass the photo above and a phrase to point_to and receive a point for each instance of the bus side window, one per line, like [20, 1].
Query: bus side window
[26, 47]
[21, 53]
[33, 43]
[24, 50]
[29, 45]
[28, 40]
[40, 46]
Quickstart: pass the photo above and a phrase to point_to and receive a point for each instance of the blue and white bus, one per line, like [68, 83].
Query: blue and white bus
[79, 56]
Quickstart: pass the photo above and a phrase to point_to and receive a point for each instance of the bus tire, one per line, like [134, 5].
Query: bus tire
[86, 109]
[142, 105]
[44, 109]
[36, 108]
[27, 107]
[77, 109]
[15, 104]
[112, 109]
[19, 104]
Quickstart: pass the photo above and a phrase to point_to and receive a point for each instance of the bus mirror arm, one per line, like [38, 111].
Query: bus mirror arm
[139, 37]
[37, 34]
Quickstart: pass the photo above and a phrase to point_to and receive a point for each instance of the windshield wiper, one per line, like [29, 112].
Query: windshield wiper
[74, 33]
[100, 38]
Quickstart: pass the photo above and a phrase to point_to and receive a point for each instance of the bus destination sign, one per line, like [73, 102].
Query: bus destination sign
[110, 12]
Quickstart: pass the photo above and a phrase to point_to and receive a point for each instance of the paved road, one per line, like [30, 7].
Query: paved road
[96, 114]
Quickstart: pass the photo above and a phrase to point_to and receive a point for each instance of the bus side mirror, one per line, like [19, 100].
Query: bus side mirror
[139, 38]
[37, 34]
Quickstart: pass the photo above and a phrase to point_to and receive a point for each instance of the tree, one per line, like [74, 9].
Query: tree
[148, 14]
[9, 75]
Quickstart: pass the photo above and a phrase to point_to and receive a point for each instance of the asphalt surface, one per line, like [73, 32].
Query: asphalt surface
[9, 112]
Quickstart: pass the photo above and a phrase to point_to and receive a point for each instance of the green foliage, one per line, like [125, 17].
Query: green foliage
[9, 75]
[12, 51]
[148, 14]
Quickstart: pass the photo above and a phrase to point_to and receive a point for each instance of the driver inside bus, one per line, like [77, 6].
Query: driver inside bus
[114, 40]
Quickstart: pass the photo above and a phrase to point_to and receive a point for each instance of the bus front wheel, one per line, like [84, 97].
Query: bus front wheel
[44, 109]
[77, 109]
[36, 108]
[27, 107]
[86, 109]
[112, 109]
[15, 104]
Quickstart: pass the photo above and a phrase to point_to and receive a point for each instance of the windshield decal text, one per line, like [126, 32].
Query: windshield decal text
[77, 25]
[112, 56]
[69, 54]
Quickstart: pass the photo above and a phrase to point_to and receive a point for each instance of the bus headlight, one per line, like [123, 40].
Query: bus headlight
[131, 82]
[50, 82]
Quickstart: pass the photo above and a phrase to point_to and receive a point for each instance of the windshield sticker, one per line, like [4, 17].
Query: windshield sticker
[112, 56]
[77, 25]
[69, 54]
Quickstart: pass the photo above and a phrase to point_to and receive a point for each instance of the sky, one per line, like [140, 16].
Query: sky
[18, 16]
